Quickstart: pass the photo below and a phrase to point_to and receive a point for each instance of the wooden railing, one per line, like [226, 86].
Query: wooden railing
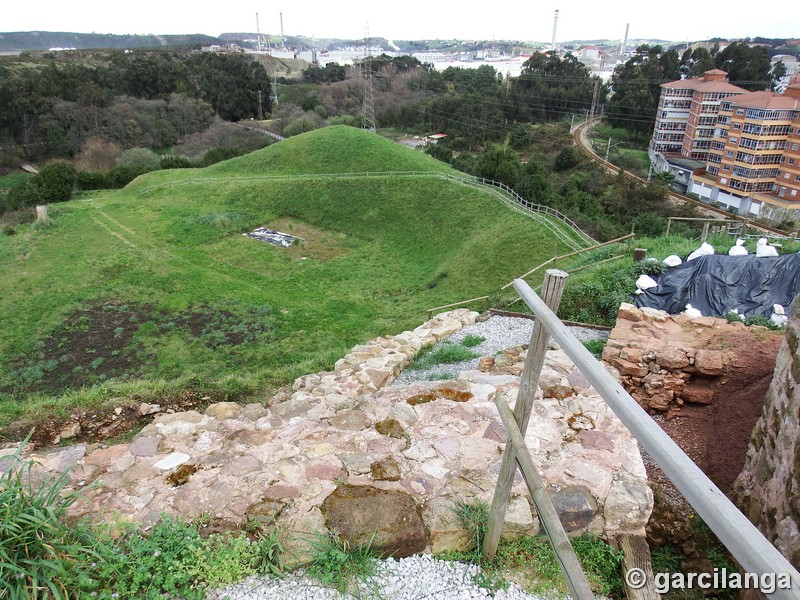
[742, 539]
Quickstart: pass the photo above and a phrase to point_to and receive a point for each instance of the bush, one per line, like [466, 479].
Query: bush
[141, 160]
[37, 552]
[300, 125]
[216, 155]
[171, 161]
[93, 180]
[439, 152]
[650, 225]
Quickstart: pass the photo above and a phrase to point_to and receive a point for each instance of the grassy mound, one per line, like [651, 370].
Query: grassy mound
[155, 283]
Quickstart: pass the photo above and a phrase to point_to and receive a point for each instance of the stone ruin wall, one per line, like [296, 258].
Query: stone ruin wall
[347, 444]
[665, 361]
[669, 362]
[768, 489]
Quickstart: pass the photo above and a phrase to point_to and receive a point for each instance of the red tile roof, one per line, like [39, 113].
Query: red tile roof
[767, 100]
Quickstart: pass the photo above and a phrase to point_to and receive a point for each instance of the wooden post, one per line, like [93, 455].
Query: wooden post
[573, 572]
[669, 226]
[636, 555]
[639, 254]
[704, 236]
[552, 288]
[41, 214]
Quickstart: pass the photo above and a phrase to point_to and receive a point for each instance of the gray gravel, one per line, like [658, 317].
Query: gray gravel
[500, 332]
[419, 577]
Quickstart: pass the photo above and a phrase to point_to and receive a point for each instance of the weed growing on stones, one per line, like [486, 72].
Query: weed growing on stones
[338, 563]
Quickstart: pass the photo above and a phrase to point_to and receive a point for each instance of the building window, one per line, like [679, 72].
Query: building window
[729, 154]
[794, 146]
[726, 167]
[794, 192]
[786, 175]
[791, 162]
[734, 140]
[737, 125]
[723, 180]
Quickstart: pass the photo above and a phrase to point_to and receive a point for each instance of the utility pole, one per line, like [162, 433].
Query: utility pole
[260, 107]
[595, 98]
[368, 112]
[283, 40]
[608, 148]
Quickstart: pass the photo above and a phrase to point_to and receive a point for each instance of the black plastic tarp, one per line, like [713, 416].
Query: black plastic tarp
[716, 284]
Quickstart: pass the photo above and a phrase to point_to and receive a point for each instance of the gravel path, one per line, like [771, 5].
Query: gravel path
[500, 332]
[419, 577]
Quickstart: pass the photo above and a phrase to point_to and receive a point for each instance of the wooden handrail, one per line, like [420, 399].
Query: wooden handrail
[744, 541]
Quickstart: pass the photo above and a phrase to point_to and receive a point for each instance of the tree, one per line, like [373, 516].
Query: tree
[636, 88]
[747, 66]
[551, 88]
[697, 61]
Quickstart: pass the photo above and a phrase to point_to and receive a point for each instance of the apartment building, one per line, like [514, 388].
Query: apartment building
[753, 163]
[687, 115]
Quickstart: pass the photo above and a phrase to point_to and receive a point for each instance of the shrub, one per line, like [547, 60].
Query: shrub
[141, 160]
[92, 180]
[300, 125]
[649, 266]
[37, 551]
[97, 155]
[175, 162]
[470, 340]
[216, 155]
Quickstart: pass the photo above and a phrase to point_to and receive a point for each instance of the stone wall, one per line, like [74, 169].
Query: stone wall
[348, 450]
[768, 489]
[667, 360]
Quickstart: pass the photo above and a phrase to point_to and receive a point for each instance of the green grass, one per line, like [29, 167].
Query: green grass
[342, 565]
[12, 179]
[38, 551]
[143, 288]
[443, 354]
[470, 340]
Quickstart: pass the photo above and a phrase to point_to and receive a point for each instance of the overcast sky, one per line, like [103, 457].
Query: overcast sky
[678, 20]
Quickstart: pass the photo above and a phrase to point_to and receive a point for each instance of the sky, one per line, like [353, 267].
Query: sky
[678, 20]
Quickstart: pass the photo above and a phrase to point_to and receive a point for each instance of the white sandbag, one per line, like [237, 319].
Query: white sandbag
[738, 249]
[778, 317]
[645, 282]
[764, 249]
[692, 312]
[673, 260]
[705, 249]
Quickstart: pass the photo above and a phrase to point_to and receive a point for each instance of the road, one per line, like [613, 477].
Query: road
[580, 135]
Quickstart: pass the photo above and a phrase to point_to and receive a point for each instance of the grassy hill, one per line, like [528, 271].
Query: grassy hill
[138, 292]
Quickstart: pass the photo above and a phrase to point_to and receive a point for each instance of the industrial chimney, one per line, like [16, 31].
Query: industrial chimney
[555, 27]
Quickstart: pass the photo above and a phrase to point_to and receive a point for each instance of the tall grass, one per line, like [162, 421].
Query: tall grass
[39, 554]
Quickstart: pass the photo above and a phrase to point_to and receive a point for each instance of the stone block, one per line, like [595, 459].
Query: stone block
[446, 531]
[672, 358]
[628, 312]
[709, 362]
[575, 506]
[389, 519]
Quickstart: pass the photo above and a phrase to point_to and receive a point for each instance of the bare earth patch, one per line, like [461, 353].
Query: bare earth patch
[316, 243]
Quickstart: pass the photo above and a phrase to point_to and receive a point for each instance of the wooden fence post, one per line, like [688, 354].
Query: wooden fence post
[552, 289]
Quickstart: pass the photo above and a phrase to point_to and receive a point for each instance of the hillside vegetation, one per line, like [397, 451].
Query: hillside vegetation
[143, 292]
